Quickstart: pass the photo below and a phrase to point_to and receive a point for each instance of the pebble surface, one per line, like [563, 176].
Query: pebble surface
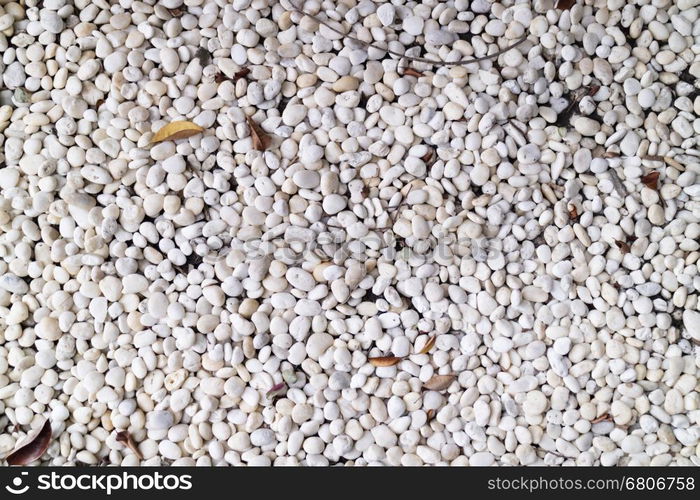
[526, 228]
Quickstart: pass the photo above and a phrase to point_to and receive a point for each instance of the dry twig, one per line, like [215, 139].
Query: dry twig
[398, 54]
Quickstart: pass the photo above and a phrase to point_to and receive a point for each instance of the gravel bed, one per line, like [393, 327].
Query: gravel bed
[244, 233]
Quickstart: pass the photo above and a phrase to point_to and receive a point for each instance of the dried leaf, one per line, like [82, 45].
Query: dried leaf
[125, 438]
[177, 130]
[428, 156]
[33, 446]
[623, 246]
[412, 72]
[428, 345]
[430, 414]
[221, 77]
[276, 390]
[564, 4]
[240, 74]
[603, 418]
[593, 90]
[651, 180]
[384, 361]
[439, 382]
[177, 12]
[261, 141]
[573, 212]
[611, 154]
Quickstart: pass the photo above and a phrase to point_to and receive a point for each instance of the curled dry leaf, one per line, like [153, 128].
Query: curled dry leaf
[651, 180]
[439, 382]
[412, 72]
[32, 447]
[623, 246]
[177, 130]
[125, 438]
[573, 212]
[428, 345]
[384, 361]
[261, 141]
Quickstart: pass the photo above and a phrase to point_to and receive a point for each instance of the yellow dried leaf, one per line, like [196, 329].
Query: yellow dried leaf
[428, 345]
[177, 130]
[439, 382]
[384, 361]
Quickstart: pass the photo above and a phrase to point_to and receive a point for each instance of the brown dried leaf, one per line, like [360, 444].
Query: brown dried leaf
[174, 131]
[384, 361]
[261, 141]
[573, 212]
[430, 414]
[651, 180]
[125, 438]
[243, 72]
[593, 90]
[177, 12]
[428, 345]
[34, 446]
[564, 4]
[221, 77]
[439, 382]
[412, 72]
[623, 246]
